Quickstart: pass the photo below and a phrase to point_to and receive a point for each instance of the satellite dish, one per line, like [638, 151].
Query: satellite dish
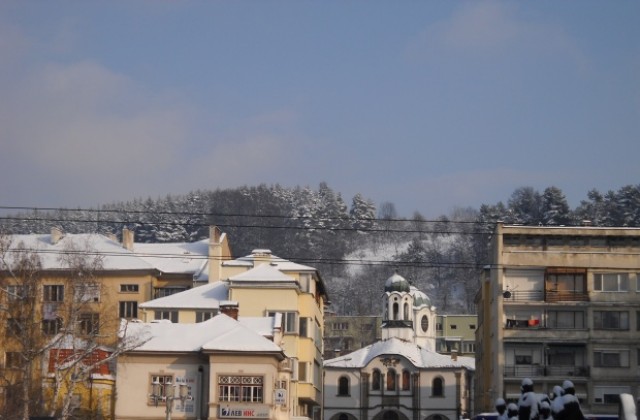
[506, 294]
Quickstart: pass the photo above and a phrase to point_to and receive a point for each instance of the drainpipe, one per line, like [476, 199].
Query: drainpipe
[200, 394]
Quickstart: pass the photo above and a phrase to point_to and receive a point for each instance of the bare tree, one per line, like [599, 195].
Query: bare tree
[60, 329]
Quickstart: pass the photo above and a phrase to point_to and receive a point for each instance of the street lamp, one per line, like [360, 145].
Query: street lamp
[169, 395]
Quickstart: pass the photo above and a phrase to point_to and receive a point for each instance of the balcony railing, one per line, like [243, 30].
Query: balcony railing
[566, 296]
[523, 371]
[524, 296]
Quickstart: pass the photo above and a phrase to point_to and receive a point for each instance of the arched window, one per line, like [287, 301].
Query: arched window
[391, 380]
[396, 309]
[343, 386]
[406, 311]
[406, 380]
[437, 388]
[375, 380]
[343, 416]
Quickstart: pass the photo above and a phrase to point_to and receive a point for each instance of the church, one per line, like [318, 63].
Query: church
[400, 377]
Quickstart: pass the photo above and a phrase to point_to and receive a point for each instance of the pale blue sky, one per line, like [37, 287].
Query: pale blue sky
[427, 104]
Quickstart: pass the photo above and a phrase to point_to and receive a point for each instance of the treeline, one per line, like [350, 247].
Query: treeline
[355, 245]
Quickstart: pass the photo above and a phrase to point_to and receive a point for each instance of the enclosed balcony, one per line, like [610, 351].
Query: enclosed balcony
[545, 360]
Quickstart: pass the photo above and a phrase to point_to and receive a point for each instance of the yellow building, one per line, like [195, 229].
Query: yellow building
[560, 303]
[456, 333]
[91, 281]
[219, 368]
[264, 285]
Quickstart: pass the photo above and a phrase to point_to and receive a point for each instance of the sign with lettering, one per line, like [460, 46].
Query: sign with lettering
[244, 411]
[280, 396]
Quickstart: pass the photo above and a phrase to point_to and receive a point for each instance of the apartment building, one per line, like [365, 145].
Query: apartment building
[456, 333]
[264, 285]
[83, 285]
[344, 334]
[560, 303]
[219, 368]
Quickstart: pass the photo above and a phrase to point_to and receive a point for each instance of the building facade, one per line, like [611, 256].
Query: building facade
[344, 334]
[399, 377]
[456, 333]
[82, 285]
[264, 285]
[217, 369]
[560, 303]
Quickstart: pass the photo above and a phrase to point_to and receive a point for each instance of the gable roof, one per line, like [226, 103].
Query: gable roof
[220, 333]
[50, 251]
[263, 273]
[419, 357]
[176, 257]
[207, 296]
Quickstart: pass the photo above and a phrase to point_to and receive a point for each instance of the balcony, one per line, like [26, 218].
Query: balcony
[523, 296]
[553, 296]
[525, 371]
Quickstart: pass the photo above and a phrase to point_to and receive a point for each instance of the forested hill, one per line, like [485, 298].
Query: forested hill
[355, 244]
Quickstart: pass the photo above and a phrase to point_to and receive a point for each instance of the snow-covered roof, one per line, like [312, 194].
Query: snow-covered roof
[177, 258]
[114, 256]
[260, 255]
[220, 333]
[262, 273]
[263, 325]
[207, 296]
[418, 356]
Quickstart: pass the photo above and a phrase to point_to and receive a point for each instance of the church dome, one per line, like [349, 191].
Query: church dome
[420, 299]
[396, 283]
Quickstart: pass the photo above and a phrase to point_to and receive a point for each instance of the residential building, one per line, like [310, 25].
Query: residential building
[344, 334]
[560, 303]
[219, 368]
[456, 333]
[264, 285]
[401, 376]
[84, 284]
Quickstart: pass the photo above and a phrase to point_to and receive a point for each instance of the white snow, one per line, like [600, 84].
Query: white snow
[218, 333]
[207, 296]
[418, 356]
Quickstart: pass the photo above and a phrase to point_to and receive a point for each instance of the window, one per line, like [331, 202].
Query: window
[406, 380]
[289, 319]
[13, 360]
[302, 372]
[16, 292]
[51, 326]
[159, 292]
[340, 326]
[202, 316]
[454, 327]
[240, 388]
[129, 288]
[565, 319]
[343, 386]
[16, 326]
[438, 326]
[424, 323]
[170, 315]
[437, 387]
[166, 383]
[611, 358]
[472, 326]
[89, 323]
[53, 293]
[391, 380]
[87, 293]
[469, 347]
[304, 327]
[376, 380]
[609, 394]
[565, 284]
[611, 282]
[128, 309]
[611, 320]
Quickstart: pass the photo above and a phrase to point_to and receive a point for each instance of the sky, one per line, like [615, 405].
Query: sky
[429, 105]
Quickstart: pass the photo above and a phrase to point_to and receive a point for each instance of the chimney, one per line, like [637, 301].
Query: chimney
[215, 253]
[127, 239]
[261, 256]
[230, 309]
[337, 352]
[454, 355]
[56, 235]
